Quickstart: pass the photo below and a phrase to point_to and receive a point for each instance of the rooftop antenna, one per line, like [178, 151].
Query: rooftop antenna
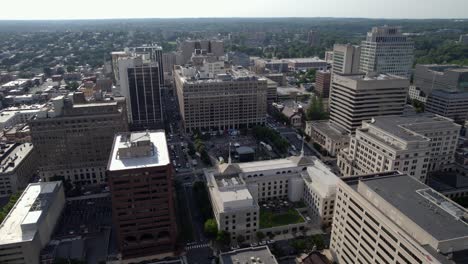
[229, 158]
[302, 148]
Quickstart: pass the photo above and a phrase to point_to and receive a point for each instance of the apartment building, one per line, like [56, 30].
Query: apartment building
[393, 218]
[74, 139]
[231, 100]
[414, 145]
[29, 225]
[141, 186]
[387, 50]
[359, 97]
[18, 163]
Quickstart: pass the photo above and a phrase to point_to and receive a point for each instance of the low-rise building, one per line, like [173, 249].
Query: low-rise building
[248, 255]
[391, 217]
[18, 163]
[328, 136]
[29, 225]
[305, 64]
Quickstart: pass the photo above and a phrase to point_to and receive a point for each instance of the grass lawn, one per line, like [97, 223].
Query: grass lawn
[270, 219]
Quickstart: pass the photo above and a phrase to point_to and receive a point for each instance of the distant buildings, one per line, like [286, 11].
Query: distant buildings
[429, 77]
[305, 64]
[357, 98]
[346, 59]
[238, 58]
[170, 59]
[237, 190]
[141, 185]
[29, 225]
[230, 100]
[391, 217]
[288, 64]
[463, 39]
[322, 83]
[188, 47]
[74, 139]
[18, 163]
[313, 38]
[140, 85]
[453, 105]
[387, 50]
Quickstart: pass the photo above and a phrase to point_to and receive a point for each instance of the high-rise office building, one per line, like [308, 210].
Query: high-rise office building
[231, 100]
[141, 186]
[357, 98]
[387, 50]
[346, 58]
[313, 38]
[393, 218]
[452, 78]
[154, 54]
[453, 105]
[413, 144]
[74, 139]
[140, 86]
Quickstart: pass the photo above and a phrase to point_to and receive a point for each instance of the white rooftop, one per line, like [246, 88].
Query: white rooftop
[267, 165]
[159, 157]
[21, 223]
[322, 178]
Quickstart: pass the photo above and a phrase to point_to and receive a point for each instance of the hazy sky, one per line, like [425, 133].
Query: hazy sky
[84, 9]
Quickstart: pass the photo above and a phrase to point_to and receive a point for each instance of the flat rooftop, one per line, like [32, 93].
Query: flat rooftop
[158, 157]
[20, 224]
[378, 77]
[409, 127]
[332, 131]
[263, 165]
[247, 255]
[437, 215]
[11, 160]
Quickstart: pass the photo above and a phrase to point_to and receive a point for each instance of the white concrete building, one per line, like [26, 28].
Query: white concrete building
[357, 98]
[320, 191]
[29, 225]
[237, 189]
[346, 58]
[415, 145]
[394, 218]
[387, 50]
[257, 255]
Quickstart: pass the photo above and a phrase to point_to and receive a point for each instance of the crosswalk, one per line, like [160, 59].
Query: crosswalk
[195, 246]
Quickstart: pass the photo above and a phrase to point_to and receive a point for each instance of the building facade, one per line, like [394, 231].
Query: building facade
[28, 227]
[387, 50]
[357, 98]
[328, 136]
[453, 105]
[74, 140]
[383, 218]
[232, 100]
[322, 83]
[414, 145]
[141, 186]
[18, 164]
[346, 59]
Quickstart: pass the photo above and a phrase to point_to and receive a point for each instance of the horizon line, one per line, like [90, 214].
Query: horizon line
[214, 17]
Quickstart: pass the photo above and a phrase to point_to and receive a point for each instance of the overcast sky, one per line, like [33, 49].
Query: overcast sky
[85, 9]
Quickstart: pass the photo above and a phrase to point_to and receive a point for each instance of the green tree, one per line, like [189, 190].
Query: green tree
[211, 228]
[70, 68]
[315, 110]
[47, 71]
[73, 86]
[223, 237]
[260, 235]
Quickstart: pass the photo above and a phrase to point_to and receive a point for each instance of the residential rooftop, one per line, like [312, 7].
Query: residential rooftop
[158, 156]
[21, 223]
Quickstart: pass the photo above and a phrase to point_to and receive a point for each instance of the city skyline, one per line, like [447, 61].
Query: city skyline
[398, 9]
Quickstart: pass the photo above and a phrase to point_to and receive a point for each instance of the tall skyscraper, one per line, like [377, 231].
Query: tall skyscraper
[387, 50]
[141, 186]
[393, 218]
[356, 98]
[139, 83]
[74, 139]
[155, 55]
[346, 59]
[313, 38]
